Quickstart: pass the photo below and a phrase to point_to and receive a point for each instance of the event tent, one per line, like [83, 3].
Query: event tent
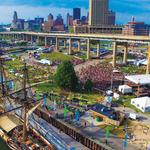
[125, 89]
[143, 79]
[142, 103]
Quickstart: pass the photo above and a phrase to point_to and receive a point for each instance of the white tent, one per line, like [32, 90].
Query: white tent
[142, 103]
[45, 62]
[139, 79]
[125, 89]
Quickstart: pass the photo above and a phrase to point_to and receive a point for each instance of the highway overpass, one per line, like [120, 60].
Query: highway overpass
[124, 40]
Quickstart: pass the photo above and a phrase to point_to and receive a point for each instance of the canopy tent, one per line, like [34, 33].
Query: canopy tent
[6, 124]
[125, 89]
[139, 79]
[142, 103]
[45, 62]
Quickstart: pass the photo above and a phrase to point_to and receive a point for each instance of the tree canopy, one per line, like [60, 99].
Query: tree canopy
[65, 76]
[88, 85]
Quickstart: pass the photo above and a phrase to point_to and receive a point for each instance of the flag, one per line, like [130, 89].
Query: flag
[65, 111]
[107, 132]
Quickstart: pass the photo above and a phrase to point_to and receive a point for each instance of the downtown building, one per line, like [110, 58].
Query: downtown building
[48, 25]
[136, 28]
[100, 19]
[17, 24]
[99, 13]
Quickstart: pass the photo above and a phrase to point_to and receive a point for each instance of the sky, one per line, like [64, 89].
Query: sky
[28, 9]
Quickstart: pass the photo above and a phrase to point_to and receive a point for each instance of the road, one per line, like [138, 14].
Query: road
[144, 118]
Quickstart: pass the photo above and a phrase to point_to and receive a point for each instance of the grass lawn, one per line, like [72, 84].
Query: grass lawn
[49, 87]
[126, 101]
[16, 64]
[117, 130]
[133, 69]
[56, 56]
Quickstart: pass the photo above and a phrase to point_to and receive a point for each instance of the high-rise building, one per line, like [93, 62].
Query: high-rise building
[48, 25]
[136, 28]
[15, 20]
[76, 13]
[99, 13]
[69, 20]
[15, 17]
[59, 24]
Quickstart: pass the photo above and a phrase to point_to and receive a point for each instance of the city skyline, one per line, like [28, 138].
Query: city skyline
[29, 9]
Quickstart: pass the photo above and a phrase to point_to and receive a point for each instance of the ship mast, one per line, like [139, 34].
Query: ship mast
[25, 78]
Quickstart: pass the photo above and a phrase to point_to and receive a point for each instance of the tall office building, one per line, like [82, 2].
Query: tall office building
[69, 20]
[48, 25]
[15, 17]
[76, 14]
[99, 13]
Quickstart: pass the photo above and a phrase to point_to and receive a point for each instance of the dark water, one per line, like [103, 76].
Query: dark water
[3, 145]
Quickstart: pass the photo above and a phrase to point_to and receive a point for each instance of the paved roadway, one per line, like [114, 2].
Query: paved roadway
[109, 37]
[144, 118]
[95, 133]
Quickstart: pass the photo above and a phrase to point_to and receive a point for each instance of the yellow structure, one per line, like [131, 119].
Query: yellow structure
[148, 63]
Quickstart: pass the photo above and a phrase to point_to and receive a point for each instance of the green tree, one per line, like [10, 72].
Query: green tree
[88, 85]
[65, 76]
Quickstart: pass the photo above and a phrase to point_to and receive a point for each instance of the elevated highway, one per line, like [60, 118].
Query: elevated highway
[116, 40]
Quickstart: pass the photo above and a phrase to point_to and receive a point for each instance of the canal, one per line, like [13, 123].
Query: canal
[3, 145]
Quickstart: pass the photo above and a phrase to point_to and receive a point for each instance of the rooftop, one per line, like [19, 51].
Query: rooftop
[143, 79]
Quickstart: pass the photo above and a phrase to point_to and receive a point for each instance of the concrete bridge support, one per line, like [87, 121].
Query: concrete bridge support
[65, 43]
[37, 39]
[114, 54]
[57, 44]
[125, 53]
[32, 39]
[98, 50]
[148, 63]
[70, 47]
[79, 45]
[46, 41]
[88, 49]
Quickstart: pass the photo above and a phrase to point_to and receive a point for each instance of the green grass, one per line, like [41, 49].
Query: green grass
[49, 87]
[56, 56]
[126, 101]
[133, 69]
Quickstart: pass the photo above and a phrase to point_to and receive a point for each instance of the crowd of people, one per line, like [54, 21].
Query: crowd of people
[76, 61]
[101, 75]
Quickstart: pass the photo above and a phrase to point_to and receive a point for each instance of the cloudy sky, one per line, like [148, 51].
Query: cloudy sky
[29, 9]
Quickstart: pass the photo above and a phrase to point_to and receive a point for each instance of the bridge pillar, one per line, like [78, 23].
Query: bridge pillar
[98, 50]
[70, 46]
[57, 44]
[14, 36]
[51, 42]
[24, 37]
[46, 43]
[125, 53]
[65, 43]
[37, 39]
[79, 45]
[31, 39]
[114, 54]
[148, 62]
[88, 49]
